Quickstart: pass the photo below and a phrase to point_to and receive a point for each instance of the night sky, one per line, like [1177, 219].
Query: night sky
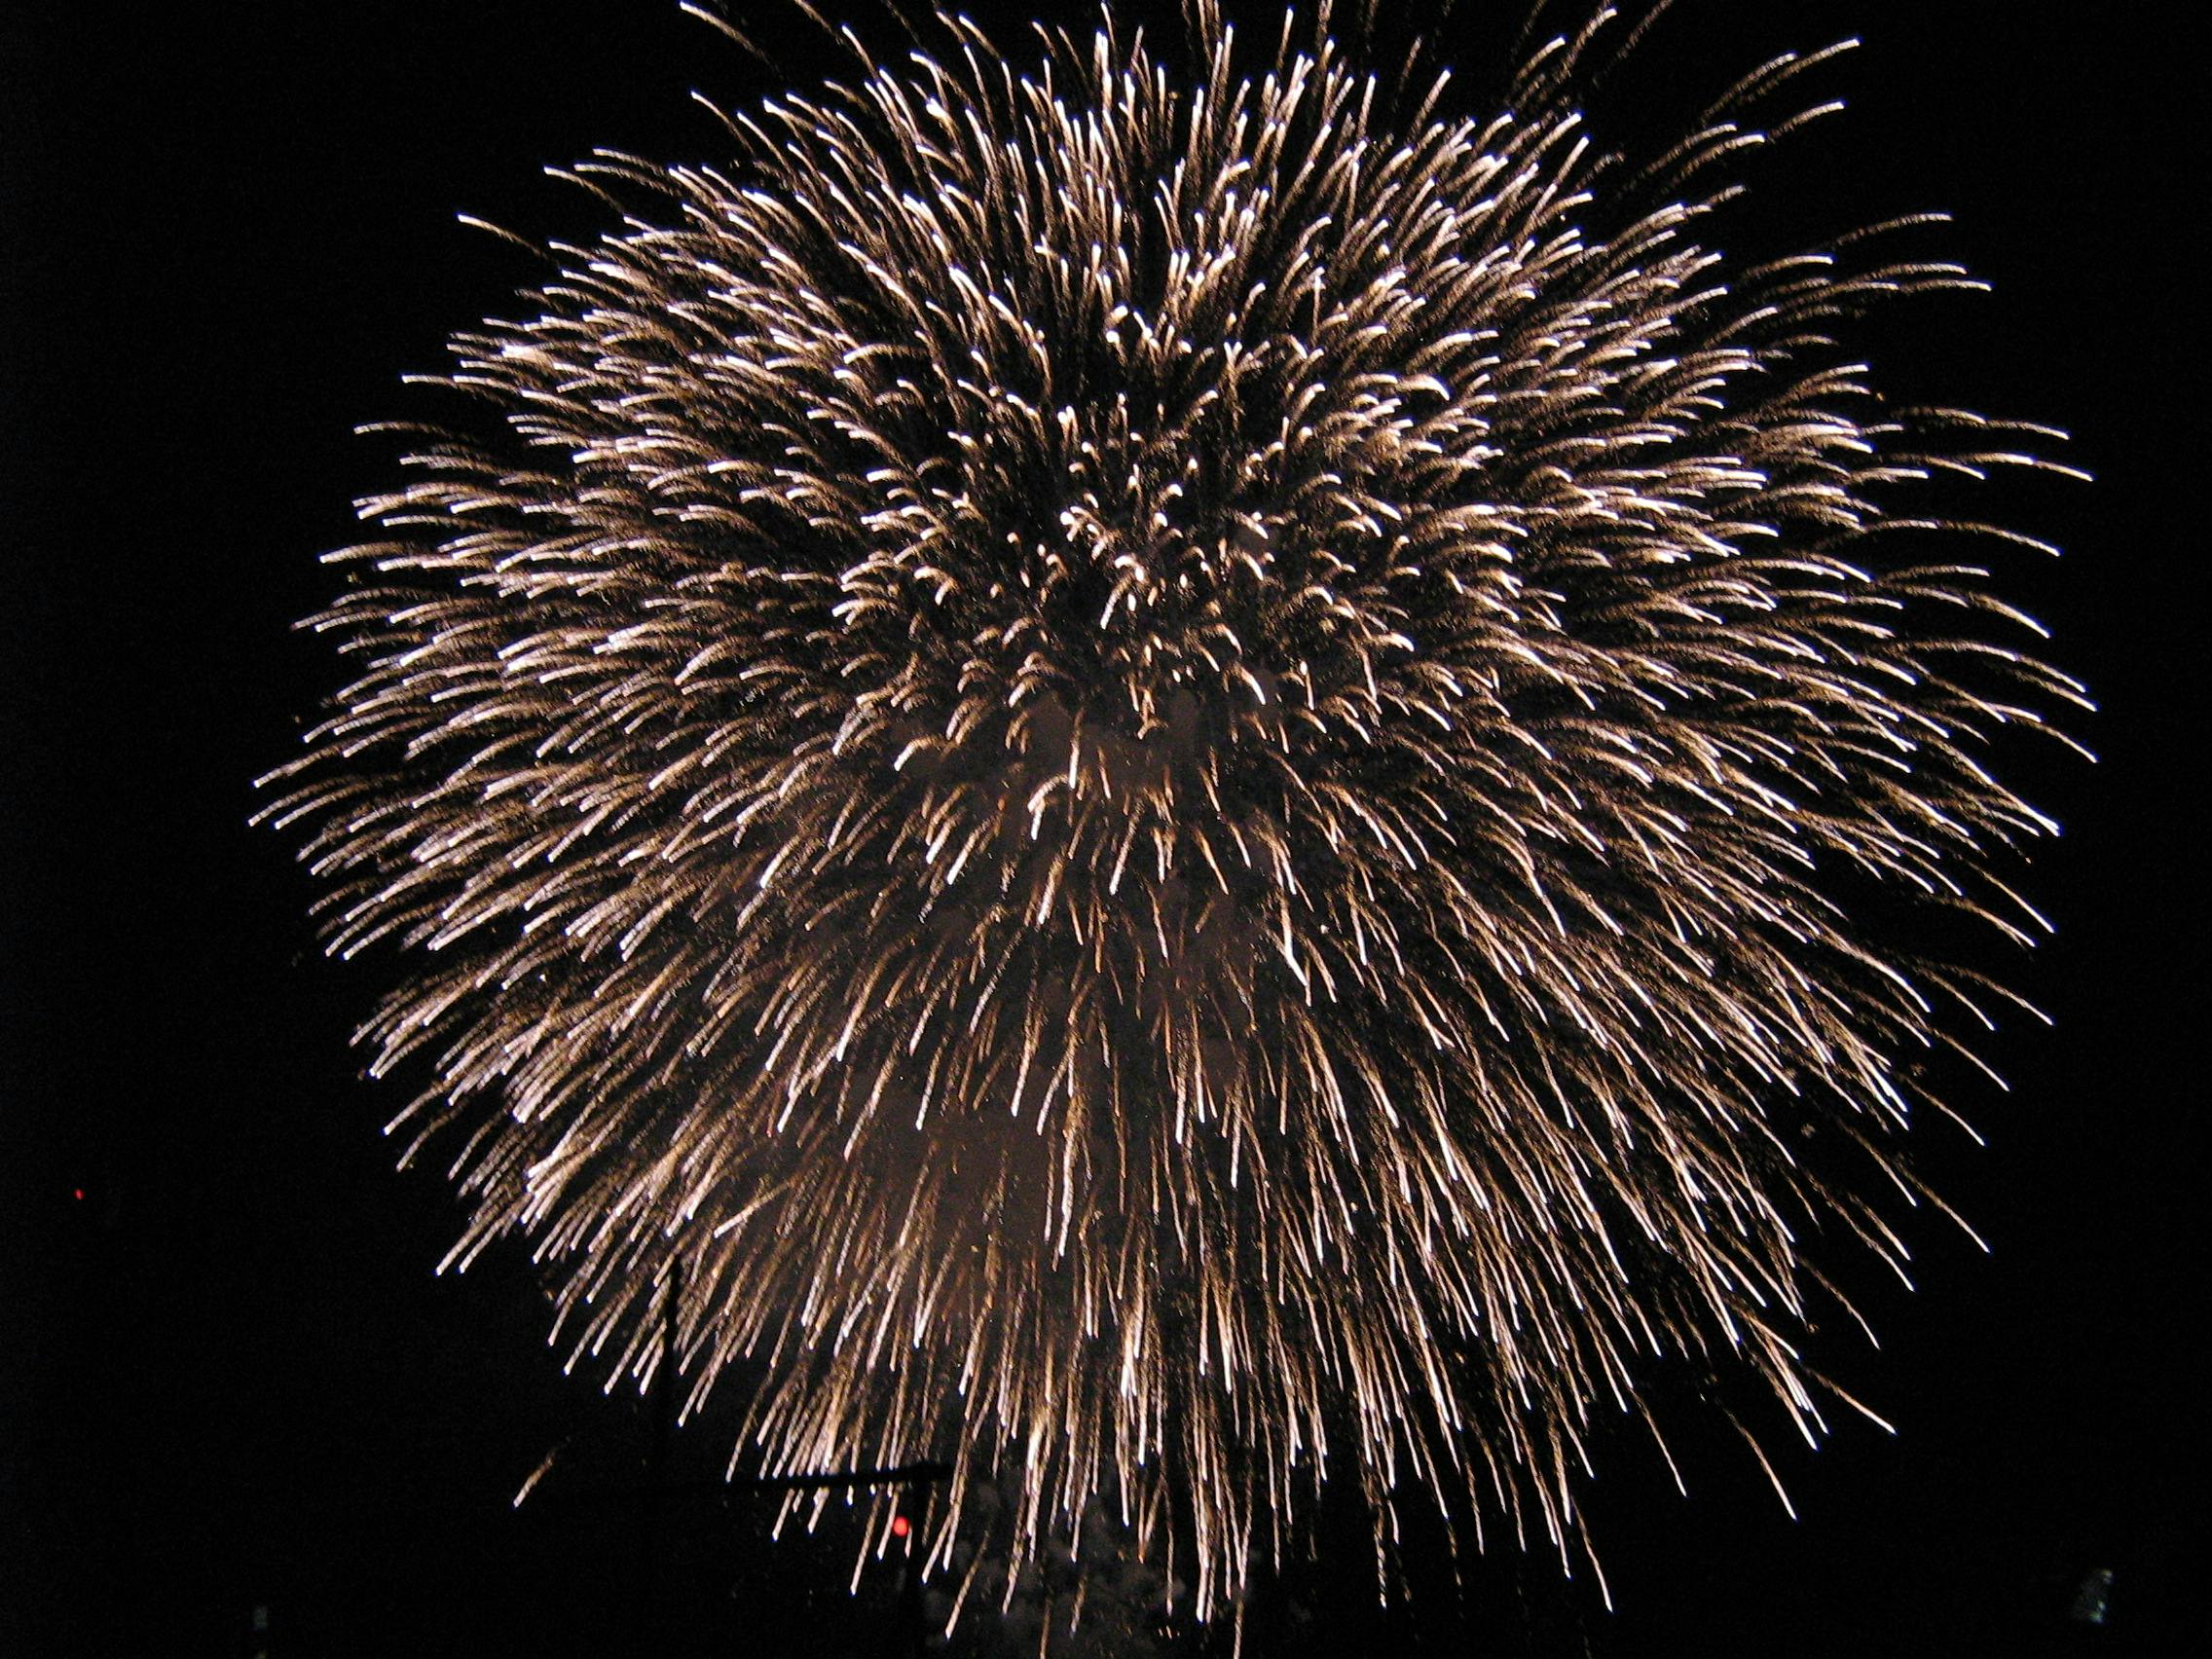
[228, 1377]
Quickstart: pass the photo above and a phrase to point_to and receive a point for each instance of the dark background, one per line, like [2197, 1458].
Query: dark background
[229, 1377]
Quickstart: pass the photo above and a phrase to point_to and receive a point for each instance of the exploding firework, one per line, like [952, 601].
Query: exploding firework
[1157, 759]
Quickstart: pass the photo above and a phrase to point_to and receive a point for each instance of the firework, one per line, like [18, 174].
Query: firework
[1156, 757]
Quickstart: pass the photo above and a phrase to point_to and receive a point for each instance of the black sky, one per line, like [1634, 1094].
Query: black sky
[228, 1375]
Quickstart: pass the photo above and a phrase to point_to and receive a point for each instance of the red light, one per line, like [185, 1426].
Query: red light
[901, 1526]
[80, 1191]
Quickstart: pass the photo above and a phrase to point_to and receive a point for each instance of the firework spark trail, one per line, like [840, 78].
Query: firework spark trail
[1159, 767]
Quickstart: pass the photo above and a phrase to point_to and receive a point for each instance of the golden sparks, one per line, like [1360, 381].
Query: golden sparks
[1161, 759]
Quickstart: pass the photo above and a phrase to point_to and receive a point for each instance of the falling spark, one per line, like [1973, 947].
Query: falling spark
[1159, 759]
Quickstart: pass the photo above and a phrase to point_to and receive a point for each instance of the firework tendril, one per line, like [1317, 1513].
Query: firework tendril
[1158, 757]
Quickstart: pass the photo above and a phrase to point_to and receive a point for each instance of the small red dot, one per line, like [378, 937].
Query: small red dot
[901, 1527]
[80, 1191]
